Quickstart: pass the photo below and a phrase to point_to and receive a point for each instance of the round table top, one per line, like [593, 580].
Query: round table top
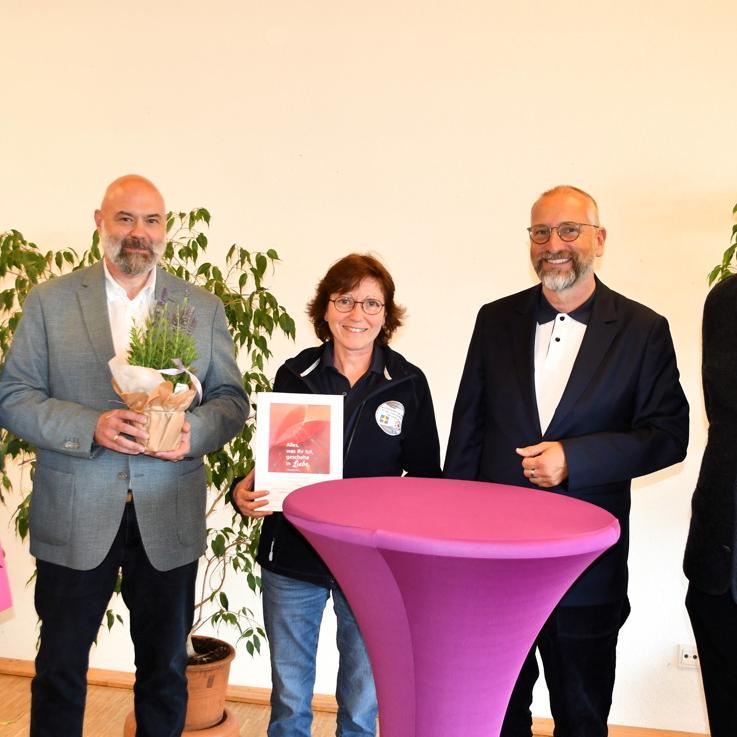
[451, 517]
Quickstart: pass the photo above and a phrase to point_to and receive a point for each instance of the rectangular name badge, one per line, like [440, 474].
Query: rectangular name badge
[299, 441]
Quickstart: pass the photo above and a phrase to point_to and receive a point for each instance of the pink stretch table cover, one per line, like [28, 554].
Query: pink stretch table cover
[5, 600]
[450, 582]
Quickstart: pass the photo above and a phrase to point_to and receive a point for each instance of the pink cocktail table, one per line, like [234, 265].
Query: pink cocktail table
[450, 582]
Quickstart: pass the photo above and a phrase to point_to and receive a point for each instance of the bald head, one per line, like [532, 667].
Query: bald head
[563, 191]
[131, 185]
[131, 222]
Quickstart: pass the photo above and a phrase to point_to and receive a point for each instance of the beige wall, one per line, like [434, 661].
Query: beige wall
[422, 131]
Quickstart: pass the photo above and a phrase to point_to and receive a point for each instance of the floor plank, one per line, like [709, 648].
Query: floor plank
[107, 708]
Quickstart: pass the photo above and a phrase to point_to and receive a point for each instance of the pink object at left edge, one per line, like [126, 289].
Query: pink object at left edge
[5, 598]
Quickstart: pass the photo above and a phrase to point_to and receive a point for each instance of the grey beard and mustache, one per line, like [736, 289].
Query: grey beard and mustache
[129, 262]
[556, 280]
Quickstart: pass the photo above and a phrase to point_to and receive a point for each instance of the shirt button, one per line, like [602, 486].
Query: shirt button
[123, 476]
[562, 317]
[557, 340]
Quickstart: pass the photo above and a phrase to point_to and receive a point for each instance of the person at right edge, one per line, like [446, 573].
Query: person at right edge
[388, 429]
[570, 388]
[709, 562]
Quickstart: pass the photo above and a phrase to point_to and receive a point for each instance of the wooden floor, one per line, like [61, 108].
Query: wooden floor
[107, 708]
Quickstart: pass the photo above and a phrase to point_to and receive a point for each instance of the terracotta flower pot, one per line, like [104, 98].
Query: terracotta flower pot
[207, 681]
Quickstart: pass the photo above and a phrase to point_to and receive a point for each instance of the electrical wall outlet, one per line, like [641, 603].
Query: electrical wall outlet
[688, 657]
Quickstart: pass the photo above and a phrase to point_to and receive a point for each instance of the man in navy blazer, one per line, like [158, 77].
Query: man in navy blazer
[571, 388]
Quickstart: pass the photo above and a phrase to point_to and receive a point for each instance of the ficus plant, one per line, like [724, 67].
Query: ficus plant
[728, 264]
[254, 316]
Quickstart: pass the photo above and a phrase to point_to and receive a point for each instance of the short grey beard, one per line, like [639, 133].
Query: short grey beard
[558, 281]
[129, 264]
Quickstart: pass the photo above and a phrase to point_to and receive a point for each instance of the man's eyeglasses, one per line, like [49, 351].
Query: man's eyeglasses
[346, 304]
[567, 232]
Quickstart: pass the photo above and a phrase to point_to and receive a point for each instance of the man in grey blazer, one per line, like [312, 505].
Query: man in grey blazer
[100, 503]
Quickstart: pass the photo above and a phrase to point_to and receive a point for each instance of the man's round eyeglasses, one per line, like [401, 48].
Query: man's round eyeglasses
[567, 232]
[369, 306]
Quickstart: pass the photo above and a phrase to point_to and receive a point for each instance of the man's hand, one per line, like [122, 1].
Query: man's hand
[119, 429]
[181, 451]
[249, 501]
[544, 464]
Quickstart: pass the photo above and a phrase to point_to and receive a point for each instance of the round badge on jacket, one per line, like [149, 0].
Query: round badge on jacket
[389, 417]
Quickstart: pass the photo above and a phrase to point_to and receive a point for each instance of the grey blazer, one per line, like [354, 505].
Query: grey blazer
[55, 384]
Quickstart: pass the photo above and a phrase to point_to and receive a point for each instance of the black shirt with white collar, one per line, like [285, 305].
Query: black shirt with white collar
[546, 312]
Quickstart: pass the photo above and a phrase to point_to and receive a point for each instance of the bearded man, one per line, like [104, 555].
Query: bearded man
[101, 504]
[571, 388]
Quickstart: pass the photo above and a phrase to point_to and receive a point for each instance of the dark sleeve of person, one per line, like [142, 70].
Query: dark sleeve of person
[709, 557]
[279, 381]
[463, 456]
[421, 447]
[658, 433]
[719, 356]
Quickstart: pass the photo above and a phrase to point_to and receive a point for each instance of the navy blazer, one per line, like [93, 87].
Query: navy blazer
[623, 413]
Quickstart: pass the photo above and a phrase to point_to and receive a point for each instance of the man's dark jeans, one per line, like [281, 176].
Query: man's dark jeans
[71, 605]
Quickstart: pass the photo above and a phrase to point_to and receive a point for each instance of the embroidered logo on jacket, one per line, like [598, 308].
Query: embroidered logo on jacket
[389, 417]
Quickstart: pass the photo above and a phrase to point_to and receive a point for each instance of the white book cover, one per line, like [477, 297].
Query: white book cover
[299, 441]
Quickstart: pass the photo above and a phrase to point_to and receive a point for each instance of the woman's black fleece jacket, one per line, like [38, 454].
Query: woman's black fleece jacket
[367, 451]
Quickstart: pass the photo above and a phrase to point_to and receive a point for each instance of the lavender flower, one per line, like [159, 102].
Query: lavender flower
[166, 336]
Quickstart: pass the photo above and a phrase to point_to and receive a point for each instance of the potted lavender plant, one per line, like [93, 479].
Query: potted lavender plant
[156, 379]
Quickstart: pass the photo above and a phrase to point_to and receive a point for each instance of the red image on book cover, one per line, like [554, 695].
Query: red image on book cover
[299, 438]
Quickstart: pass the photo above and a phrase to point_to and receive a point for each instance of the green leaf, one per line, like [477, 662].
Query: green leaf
[713, 274]
[287, 325]
[218, 545]
[728, 265]
[261, 264]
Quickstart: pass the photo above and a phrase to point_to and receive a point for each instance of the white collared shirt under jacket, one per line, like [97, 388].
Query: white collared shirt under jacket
[124, 312]
[557, 343]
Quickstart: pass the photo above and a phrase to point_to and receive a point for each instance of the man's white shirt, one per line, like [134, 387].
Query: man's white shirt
[557, 343]
[123, 312]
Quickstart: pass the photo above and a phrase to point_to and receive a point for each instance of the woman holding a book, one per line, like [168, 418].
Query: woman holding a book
[389, 430]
